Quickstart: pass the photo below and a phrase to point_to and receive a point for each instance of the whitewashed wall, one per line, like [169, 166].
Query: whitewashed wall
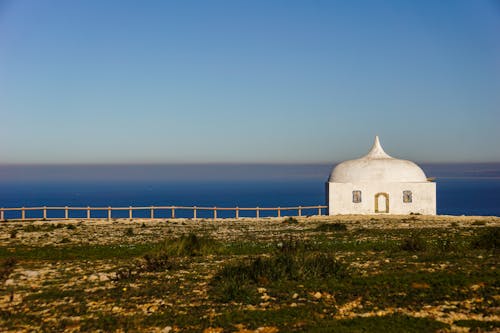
[340, 198]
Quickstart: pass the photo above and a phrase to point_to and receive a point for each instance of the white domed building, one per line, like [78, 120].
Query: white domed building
[380, 184]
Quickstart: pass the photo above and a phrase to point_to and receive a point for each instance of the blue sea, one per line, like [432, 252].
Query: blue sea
[462, 189]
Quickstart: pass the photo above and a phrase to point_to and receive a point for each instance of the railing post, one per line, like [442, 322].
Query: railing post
[279, 212]
[130, 213]
[237, 213]
[1, 215]
[109, 213]
[44, 212]
[300, 210]
[194, 213]
[152, 212]
[88, 213]
[23, 214]
[173, 212]
[257, 212]
[215, 213]
[66, 213]
[319, 211]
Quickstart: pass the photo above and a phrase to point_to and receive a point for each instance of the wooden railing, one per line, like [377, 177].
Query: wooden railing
[299, 210]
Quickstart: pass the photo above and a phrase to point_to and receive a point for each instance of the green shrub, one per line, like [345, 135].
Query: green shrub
[42, 227]
[129, 232]
[191, 245]
[152, 262]
[479, 326]
[290, 220]
[234, 280]
[446, 245]
[156, 262]
[6, 267]
[488, 239]
[331, 227]
[413, 243]
[292, 246]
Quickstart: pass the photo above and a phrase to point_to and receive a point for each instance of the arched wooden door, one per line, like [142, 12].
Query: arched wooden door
[382, 202]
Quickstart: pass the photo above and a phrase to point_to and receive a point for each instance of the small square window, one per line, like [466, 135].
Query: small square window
[356, 196]
[407, 197]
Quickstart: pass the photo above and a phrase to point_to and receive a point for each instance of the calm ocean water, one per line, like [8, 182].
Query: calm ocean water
[243, 186]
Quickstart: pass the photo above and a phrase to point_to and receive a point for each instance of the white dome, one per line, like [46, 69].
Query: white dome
[377, 166]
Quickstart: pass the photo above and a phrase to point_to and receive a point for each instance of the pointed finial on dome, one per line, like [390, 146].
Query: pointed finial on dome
[377, 151]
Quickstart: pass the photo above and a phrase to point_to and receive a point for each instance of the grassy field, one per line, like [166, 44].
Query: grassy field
[315, 274]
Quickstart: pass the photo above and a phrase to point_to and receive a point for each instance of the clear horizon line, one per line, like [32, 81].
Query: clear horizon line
[215, 163]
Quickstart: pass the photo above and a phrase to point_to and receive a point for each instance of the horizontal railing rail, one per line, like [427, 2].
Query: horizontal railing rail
[154, 212]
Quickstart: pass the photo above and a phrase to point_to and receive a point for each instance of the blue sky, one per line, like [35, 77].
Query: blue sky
[248, 81]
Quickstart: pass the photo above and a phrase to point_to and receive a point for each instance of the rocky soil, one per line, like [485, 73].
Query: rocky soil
[69, 275]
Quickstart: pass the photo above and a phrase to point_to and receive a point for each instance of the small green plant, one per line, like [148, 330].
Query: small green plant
[446, 245]
[191, 245]
[129, 232]
[413, 243]
[479, 326]
[488, 239]
[290, 220]
[151, 262]
[291, 246]
[331, 227]
[156, 262]
[7, 267]
[47, 227]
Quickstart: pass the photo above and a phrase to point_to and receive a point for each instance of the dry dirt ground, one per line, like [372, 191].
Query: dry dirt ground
[391, 273]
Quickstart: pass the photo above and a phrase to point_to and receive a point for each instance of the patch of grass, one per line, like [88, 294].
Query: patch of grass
[151, 262]
[290, 263]
[13, 233]
[129, 232]
[55, 293]
[78, 252]
[488, 239]
[407, 288]
[46, 227]
[331, 227]
[479, 223]
[447, 244]
[7, 267]
[65, 240]
[15, 320]
[413, 243]
[191, 245]
[290, 220]
[387, 324]
[478, 326]
[308, 319]
[108, 322]
[159, 258]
